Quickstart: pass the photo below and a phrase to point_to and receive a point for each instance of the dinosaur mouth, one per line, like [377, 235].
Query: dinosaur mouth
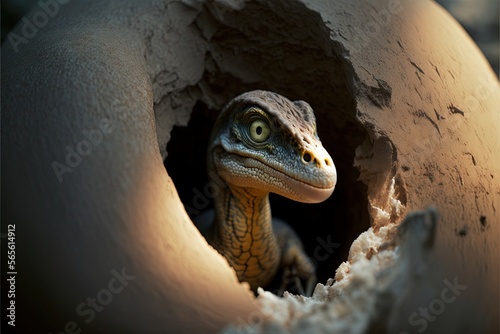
[314, 190]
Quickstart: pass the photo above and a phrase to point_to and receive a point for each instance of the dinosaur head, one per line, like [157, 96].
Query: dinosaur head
[264, 142]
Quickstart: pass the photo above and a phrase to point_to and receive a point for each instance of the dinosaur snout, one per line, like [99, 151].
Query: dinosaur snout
[320, 160]
[321, 167]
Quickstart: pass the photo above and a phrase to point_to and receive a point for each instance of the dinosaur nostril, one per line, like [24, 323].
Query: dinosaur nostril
[327, 162]
[307, 157]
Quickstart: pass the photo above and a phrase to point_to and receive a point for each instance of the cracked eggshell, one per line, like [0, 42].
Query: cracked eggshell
[429, 101]
[424, 87]
[87, 202]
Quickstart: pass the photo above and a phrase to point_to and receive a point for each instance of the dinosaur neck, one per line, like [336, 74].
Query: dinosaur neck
[243, 232]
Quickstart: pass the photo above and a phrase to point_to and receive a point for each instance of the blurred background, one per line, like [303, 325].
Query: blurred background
[479, 17]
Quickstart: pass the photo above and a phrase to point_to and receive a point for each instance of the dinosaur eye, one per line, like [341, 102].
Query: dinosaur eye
[259, 131]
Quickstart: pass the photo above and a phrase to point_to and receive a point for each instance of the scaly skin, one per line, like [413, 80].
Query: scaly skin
[262, 143]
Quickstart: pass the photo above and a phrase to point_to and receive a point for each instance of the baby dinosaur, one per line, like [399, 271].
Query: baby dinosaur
[261, 143]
